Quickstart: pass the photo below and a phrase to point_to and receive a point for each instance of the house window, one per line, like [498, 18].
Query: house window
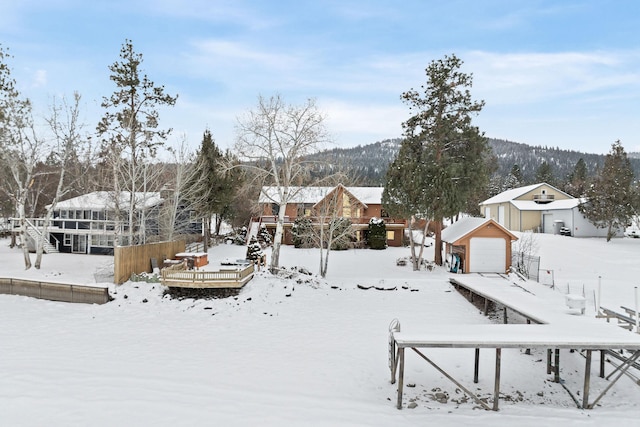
[346, 207]
[391, 234]
[384, 214]
[64, 214]
[67, 239]
[104, 241]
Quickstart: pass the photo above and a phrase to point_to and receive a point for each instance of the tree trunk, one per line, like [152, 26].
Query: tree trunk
[438, 243]
[23, 234]
[424, 237]
[414, 259]
[205, 234]
[277, 240]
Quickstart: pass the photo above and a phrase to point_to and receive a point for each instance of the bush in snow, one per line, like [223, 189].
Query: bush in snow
[254, 250]
[264, 238]
[342, 233]
[302, 233]
[377, 234]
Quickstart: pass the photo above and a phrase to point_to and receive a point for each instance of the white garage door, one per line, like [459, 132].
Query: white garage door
[487, 255]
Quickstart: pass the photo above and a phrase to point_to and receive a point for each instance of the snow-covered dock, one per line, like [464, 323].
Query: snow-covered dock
[558, 327]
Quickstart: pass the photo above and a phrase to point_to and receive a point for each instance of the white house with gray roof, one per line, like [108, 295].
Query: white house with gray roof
[541, 208]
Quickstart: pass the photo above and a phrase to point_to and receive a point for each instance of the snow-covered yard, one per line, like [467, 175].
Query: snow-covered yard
[297, 351]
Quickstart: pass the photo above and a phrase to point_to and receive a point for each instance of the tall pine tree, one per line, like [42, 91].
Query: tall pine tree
[611, 198]
[215, 185]
[453, 154]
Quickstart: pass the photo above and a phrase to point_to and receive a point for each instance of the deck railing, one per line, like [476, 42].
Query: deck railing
[177, 276]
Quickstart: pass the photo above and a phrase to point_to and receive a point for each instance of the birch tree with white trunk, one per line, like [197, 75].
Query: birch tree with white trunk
[273, 142]
[65, 125]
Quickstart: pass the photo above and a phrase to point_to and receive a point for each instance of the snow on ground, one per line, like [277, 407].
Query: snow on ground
[288, 352]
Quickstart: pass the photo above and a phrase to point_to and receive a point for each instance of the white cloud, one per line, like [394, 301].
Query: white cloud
[39, 79]
[532, 77]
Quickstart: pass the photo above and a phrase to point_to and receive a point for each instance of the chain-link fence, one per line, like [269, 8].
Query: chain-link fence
[527, 265]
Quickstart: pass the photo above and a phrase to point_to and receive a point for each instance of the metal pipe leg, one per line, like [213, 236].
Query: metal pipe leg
[476, 366]
[496, 386]
[400, 376]
[587, 380]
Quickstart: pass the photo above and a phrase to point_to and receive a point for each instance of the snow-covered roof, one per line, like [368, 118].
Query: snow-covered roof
[461, 228]
[509, 195]
[366, 195]
[105, 199]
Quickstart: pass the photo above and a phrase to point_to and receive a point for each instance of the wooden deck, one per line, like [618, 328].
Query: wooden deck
[233, 278]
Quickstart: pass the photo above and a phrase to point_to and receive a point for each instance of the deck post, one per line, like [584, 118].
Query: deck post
[496, 386]
[602, 360]
[486, 306]
[506, 320]
[587, 379]
[548, 361]
[476, 366]
[556, 377]
[400, 376]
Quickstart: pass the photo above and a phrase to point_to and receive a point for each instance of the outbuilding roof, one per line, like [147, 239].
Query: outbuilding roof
[466, 226]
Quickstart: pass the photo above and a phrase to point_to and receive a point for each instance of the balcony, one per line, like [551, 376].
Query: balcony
[543, 198]
[271, 220]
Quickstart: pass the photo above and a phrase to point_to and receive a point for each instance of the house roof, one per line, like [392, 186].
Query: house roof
[366, 195]
[105, 199]
[465, 226]
[514, 193]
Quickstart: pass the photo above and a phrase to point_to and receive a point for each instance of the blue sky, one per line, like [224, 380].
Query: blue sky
[556, 73]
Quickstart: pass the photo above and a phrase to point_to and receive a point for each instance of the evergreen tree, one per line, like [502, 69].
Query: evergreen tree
[264, 238]
[452, 153]
[377, 234]
[577, 180]
[215, 185]
[254, 250]
[303, 233]
[130, 132]
[514, 179]
[544, 173]
[611, 198]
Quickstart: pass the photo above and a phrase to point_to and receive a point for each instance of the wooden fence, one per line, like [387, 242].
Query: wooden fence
[128, 260]
[177, 277]
[55, 291]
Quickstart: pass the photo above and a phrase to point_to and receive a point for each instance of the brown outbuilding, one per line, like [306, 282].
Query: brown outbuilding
[478, 245]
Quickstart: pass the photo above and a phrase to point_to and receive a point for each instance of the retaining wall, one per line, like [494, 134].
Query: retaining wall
[55, 291]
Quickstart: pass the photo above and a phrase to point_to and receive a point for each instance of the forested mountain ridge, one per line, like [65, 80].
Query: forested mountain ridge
[367, 164]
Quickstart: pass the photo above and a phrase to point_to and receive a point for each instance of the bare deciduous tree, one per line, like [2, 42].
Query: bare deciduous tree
[69, 144]
[273, 142]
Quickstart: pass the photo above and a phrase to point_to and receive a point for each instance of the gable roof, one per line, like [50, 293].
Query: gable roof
[514, 193]
[366, 195]
[466, 226]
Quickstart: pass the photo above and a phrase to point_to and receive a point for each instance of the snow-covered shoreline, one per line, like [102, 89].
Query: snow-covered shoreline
[300, 351]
